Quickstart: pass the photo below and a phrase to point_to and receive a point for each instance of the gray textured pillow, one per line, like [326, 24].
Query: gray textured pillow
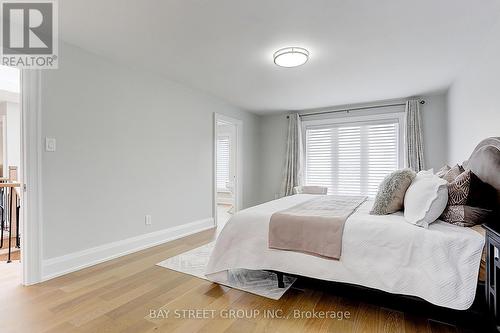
[453, 173]
[442, 172]
[391, 192]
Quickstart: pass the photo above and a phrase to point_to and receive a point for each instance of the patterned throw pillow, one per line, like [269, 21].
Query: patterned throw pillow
[459, 189]
[465, 216]
[470, 201]
[391, 192]
[453, 173]
[468, 189]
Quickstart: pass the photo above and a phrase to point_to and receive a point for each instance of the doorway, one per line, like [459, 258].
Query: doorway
[227, 168]
[10, 174]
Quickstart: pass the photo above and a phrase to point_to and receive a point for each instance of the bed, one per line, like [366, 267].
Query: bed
[439, 264]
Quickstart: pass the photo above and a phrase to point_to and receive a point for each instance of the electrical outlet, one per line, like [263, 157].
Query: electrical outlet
[147, 220]
[50, 144]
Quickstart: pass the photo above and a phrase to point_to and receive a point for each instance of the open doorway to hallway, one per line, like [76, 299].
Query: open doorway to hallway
[226, 171]
[226, 178]
[10, 164]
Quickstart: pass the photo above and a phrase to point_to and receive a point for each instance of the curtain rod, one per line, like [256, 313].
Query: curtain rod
[354, 109]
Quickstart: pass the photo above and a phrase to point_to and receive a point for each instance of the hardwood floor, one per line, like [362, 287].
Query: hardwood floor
[120, 296]
[15, 255]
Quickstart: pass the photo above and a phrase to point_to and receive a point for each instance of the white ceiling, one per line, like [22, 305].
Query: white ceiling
[361, 50]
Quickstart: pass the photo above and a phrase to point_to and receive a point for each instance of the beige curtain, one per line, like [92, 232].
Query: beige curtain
[414, 136]
[294, 154]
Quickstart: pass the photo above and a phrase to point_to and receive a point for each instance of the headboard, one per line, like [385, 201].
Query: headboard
[485, 163]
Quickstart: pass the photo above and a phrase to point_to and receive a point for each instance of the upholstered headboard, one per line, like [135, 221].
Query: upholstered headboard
[485, 163]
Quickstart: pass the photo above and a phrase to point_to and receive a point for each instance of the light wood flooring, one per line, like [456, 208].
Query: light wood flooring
[15, 254]
[119, 295]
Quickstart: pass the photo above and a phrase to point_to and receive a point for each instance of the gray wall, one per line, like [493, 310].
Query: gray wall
[129, 143]
[435, 129]
[474, 102]
[274, 130]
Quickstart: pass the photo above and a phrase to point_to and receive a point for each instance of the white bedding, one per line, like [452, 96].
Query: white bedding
[439, 264]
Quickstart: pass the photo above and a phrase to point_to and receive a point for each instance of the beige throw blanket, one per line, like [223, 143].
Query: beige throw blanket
[315, 226]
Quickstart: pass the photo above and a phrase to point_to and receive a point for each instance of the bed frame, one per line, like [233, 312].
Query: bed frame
[483, 162]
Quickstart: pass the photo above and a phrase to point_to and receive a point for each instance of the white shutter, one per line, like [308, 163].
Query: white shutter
[320, 149]
[351, 158]
[382, 154]
[223, 160]
[349, 161]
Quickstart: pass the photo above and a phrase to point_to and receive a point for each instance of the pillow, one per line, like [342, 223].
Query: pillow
[426, 173]
[443, 171]
[425, 199]
[453, 173]
[481, 194]
[459, 189]
[391, 192]
[468, 189]
[465, 216]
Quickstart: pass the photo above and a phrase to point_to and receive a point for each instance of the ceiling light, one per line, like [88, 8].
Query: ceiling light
[291, 56]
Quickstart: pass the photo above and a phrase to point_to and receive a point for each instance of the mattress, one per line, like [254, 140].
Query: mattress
[482, 268]
[439, 264]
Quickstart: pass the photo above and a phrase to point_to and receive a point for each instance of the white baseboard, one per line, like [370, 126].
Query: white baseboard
[71, 262]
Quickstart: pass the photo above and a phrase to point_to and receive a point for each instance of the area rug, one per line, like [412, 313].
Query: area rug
[260, 283]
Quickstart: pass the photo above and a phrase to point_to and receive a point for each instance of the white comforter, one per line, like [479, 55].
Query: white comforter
[439, 264]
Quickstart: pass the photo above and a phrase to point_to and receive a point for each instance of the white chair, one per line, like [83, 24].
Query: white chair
[310, 190]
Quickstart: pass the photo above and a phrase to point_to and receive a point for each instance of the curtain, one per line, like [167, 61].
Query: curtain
[294, 155]
[414, 141]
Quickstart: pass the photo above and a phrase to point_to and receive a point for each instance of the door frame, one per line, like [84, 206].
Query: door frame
[31, 224]
[4, 146]
[238, 183]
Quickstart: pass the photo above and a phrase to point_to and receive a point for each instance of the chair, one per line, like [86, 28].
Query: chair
[310, 190]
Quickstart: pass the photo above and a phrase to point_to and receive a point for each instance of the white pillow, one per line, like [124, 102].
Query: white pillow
[425, 199]
[427, 173]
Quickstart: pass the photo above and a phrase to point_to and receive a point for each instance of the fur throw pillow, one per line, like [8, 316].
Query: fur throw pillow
[391, 192]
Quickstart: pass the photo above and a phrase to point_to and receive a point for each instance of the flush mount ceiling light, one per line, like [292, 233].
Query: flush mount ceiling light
[291, 56]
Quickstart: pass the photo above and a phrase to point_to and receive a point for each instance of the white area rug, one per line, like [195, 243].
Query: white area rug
[260, 283]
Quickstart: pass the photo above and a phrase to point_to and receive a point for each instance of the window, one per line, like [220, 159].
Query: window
[223, 160]
[352, 157]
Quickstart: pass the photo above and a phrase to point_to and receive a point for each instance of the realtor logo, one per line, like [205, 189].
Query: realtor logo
[29, 34]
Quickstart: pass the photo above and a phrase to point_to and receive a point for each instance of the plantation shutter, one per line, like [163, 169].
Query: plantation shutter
[223, 160]
[351, 158]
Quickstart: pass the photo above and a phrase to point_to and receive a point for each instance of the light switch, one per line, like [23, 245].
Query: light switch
[50, 144]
